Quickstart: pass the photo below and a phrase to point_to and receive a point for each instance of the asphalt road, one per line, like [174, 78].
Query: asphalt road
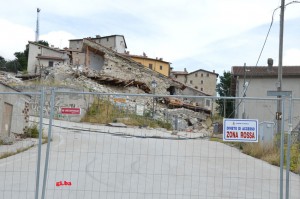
[108, 162]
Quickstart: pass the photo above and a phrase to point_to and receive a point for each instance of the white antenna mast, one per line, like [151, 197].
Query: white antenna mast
[37, 32]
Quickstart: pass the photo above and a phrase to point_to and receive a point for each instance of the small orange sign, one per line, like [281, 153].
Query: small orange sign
[120, 100]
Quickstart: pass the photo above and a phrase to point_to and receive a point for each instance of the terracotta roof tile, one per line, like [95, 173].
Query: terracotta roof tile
[201, 70]
[179, 72]
[263, 71]
[50, 57]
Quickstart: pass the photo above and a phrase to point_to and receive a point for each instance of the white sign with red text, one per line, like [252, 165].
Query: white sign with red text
[70, 111]
[240, 130]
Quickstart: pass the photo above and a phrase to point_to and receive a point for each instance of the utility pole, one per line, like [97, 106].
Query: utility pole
[279, 83]
[279, 89]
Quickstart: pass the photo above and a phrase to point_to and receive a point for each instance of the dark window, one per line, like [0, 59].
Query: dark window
[201, 81]
[150, 66]
[207, 75]
[196, 87]
[107, 39]
[201, 74]
[191, 81]
[201, 89]
[207, 102]
[160, 67]
[175, 76]
[51, 63]
[196, 74]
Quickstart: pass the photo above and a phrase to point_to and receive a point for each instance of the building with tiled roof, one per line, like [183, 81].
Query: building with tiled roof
[201, 80]
[255, 81]
[261, 78]
[155, 64]
[263, 71]
[41, 56]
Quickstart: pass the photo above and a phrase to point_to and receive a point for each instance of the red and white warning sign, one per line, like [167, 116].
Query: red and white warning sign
[240, 130]
[70, 111]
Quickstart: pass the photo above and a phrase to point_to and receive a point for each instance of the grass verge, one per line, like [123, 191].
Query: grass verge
[30, 132]
[103, 112]
[268, 152]
[7, 154]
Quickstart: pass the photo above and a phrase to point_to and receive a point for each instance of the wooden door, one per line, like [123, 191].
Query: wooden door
[6, 119]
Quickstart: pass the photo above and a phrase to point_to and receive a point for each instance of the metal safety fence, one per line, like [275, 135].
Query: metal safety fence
[20, 144]
[101, 145]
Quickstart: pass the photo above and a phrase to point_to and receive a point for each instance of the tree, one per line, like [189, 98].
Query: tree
[45, 43]
[226, 106]
[22, 59]
[2, 62]
[1, 58]
[12, 66]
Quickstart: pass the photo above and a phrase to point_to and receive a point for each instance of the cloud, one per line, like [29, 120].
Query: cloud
[291, 57]
[59, 39]
[16, 37]
[13, 38]
[203, 33]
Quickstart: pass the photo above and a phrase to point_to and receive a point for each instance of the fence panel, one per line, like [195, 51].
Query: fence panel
[295, 146]
[168, 149]
[19, 143]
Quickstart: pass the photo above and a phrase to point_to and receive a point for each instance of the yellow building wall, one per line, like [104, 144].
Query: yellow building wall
[157, 65]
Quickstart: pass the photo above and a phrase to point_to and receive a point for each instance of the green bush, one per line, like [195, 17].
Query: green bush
[295, 158]
[32, 131]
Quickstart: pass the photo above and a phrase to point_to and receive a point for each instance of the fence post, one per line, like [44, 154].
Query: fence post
[176, 122]
[224, 108]
[282, 147]
[42, 101]
[288, 152]
[49, 141]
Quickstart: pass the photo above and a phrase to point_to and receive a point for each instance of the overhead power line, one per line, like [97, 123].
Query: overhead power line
[265, 41]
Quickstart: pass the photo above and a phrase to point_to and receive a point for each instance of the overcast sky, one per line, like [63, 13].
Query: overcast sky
[191, 34]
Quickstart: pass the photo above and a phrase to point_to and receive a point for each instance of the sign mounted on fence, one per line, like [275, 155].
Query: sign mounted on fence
[240, 130]
[139, 109]
[120, 101]
[70, 111]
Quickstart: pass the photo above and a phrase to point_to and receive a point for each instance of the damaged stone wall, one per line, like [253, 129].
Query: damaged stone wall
[125, 68]
[68, 100]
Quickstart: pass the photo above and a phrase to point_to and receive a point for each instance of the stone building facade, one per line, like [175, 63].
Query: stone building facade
[41, 56]
[117, 65]
[116, 43]
[201, 80]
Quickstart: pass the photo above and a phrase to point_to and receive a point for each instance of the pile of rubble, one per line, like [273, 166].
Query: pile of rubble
[182, 119]
[10, 79]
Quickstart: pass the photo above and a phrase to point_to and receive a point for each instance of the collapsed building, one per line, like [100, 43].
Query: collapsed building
[102, 60]
[105, 68]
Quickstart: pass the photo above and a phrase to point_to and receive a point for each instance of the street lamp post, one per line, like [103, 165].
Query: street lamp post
[153, 85]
